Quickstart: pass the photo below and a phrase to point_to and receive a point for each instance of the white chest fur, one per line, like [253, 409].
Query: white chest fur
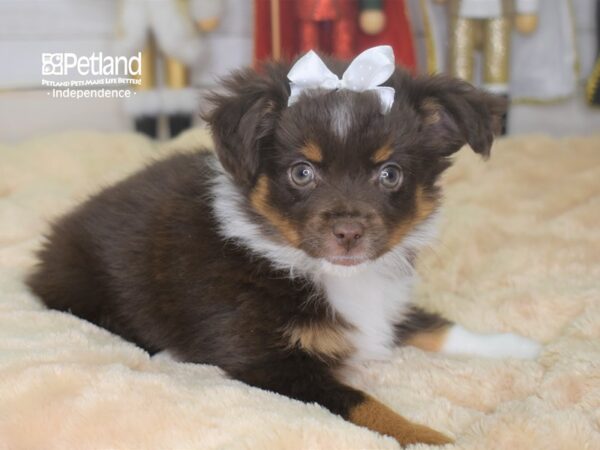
[372, 303]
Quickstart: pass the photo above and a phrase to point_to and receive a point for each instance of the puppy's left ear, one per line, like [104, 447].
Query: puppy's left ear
[454, 113]
[243, 119]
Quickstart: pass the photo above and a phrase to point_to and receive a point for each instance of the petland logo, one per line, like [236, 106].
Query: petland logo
[115, 70]
[96, 64]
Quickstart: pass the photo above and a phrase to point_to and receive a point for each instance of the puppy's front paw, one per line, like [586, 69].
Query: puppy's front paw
[509, 345]
[501, 345]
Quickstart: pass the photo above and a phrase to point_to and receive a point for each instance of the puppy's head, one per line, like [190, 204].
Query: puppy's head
[333, 176]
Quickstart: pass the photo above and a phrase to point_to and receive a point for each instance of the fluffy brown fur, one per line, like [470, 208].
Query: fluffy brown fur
[152, 260]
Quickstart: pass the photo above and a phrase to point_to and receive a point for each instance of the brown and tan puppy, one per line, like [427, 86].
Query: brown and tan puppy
[288, 258]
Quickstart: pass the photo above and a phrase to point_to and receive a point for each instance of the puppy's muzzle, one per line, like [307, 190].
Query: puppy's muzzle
[348, 233]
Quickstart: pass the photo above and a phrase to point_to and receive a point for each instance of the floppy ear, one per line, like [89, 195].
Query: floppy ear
[243, 119]
[454, 113]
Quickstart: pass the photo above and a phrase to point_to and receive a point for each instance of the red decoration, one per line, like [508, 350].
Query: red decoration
[330, 26]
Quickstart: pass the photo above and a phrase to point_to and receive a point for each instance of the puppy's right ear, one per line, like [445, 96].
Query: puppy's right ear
[243, 119]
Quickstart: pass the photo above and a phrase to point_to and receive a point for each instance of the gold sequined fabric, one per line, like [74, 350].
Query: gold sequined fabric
[490, 36]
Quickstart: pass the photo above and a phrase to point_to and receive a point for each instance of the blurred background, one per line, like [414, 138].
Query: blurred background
[542, 54]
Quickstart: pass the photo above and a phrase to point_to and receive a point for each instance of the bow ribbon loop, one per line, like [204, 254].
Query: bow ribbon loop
[365, 73]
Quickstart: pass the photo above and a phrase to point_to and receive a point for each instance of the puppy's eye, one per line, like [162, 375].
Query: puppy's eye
[302, 174]
[390, 176]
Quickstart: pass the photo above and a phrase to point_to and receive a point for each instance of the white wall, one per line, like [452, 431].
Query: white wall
[29, 28]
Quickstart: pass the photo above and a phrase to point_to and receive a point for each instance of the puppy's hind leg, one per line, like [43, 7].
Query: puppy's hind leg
[303, 377]
[432, 333]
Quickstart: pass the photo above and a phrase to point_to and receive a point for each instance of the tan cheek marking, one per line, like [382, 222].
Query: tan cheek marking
[431, 340]
[425, 206]
[327, 340]
[382, 154]
[376, 416]
[312, 152]
[259, 199]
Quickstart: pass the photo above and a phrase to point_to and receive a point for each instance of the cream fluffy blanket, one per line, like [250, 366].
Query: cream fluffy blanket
[519, 251]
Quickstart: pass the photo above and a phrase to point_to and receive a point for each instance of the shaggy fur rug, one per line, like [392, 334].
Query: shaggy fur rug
[519, 250]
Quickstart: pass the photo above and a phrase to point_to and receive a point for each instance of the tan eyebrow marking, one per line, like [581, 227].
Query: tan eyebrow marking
[382, 154]
[312, 152]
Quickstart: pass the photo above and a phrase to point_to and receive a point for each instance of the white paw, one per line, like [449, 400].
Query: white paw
[503, 345]
[509, 345]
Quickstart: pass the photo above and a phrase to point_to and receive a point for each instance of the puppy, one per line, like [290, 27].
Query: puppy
[287, 258]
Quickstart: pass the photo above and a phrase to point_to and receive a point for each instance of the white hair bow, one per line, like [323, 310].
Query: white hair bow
[365, 73]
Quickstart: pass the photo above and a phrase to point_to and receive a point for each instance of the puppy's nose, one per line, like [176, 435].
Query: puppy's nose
[348, 233]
